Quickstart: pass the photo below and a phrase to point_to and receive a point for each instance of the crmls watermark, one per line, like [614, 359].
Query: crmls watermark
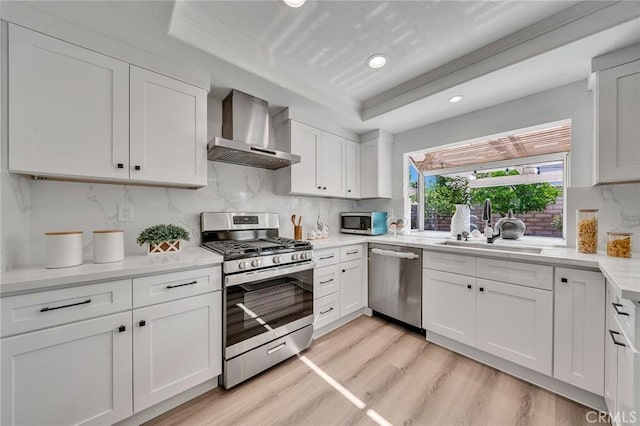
[620, 418]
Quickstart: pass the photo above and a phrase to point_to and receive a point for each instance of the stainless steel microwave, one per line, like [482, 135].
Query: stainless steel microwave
[363, 223]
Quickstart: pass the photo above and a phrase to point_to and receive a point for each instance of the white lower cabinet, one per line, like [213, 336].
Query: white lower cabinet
[326, 310]
[351, 290]
[73, 374]
[177, 345]
[515, 323]
[449, 305]
[340, 285]
[622, 366]
[579, 325]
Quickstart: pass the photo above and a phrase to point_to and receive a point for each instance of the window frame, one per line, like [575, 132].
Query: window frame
[562, 156]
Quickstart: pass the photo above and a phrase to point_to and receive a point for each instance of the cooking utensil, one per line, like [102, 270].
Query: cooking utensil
[299, 220]
[293, 219]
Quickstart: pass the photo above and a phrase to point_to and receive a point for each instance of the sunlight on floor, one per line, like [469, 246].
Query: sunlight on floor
[373, 415]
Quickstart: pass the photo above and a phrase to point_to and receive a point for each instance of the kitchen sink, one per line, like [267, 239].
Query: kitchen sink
[486, 246]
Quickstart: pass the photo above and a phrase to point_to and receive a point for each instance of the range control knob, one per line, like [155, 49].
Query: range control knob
[242, 264]
[255, 262]
[295, 256]
[303, 256]
[277, 259]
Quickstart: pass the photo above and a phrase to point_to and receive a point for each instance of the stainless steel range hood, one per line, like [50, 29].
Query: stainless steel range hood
[245, 135]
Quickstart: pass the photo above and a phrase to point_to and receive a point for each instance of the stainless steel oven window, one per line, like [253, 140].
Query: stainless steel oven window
[262, 306]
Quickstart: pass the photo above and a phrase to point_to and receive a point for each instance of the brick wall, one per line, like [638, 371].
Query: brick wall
[538, 223]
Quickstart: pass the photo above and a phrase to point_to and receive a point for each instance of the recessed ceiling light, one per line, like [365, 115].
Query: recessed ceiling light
[456, 98]
[294, 3]
[378, 60]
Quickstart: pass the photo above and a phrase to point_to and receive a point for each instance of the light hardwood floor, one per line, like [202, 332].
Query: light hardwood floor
[371, 372]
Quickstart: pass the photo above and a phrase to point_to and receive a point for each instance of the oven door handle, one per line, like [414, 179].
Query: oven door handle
[252, 276]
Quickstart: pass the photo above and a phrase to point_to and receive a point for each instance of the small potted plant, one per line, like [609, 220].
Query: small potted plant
[163, 238]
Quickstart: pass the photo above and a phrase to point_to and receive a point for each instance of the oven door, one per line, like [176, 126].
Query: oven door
[264, 305]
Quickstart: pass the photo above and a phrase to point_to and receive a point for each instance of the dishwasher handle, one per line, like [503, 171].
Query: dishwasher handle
[391, 253]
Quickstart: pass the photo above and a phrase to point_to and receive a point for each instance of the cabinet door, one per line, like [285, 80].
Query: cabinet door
[68, 109]
[168, 130]
[306, 142]
[177, 345]
[612, 335]
[369, 169]
[74, 374]
[618, 126]
[351, 291]
[449, 305]
[333, 166]
[353, 169]
[515, 323]
[579, 329]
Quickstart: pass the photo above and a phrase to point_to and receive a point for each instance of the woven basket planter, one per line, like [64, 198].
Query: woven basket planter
[164, 247]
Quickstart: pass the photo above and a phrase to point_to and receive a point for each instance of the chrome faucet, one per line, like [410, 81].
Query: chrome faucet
[486, 216]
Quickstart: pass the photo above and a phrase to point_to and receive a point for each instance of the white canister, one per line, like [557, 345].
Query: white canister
[108, 246]
[63, 249]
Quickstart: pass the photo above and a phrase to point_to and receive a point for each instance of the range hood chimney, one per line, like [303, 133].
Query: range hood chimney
[245, 135]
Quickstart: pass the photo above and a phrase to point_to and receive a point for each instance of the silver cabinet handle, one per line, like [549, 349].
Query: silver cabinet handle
[618, 311]
[328, 310]
[353, 252]
[276, 348]
[613, 335]
[326, 282]
[326, 257]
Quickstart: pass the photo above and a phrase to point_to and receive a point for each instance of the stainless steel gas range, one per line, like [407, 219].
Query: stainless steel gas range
[268, 291]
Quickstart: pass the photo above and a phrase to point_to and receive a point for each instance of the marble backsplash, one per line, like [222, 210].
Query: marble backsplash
[619, 210]
[42, 206]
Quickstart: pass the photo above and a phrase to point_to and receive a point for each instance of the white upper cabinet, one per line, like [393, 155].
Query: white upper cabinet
[375, 163]
[68, 109]
[322, 166]
[333, 166]
[79, 115]
[168, 130]
[353, 169]
[617, 109]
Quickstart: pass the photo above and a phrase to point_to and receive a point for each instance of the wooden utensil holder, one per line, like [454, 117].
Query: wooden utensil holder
[297, 232]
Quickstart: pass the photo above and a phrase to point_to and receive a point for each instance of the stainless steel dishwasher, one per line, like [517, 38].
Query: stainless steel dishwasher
[395, 282]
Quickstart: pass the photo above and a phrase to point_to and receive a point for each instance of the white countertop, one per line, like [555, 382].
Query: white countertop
[40, 278]
[623, 273]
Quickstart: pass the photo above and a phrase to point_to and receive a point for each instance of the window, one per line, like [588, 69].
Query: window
[521, 171]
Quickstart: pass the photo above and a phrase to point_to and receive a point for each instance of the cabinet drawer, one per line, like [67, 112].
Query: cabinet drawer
[175, 285]
[447, 262]
[326, 310]
[350, 253]
[326, 257]
[527, 274]
[27, 312]
[325, 281]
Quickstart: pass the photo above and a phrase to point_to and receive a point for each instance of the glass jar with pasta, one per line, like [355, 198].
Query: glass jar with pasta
[619, 244]
[587, 231]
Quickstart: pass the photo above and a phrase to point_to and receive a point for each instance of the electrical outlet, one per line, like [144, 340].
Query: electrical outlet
[125, 213]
